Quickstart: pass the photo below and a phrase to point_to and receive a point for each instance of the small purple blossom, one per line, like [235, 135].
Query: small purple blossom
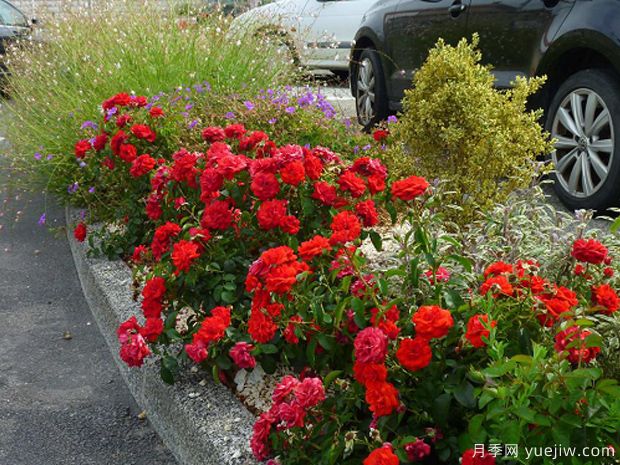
[89, 124]
[229, 115]
[356, 149]
[392, 119]
[347, 123]
[82, 214]
[193, 124]
[189, 106]
[367, 147]
[42, 219]
[73, 188]
[249, 105]
[91, 190]
[290, 110]
[49, 157]
[82, 164]
[37, 155]
[273, 121]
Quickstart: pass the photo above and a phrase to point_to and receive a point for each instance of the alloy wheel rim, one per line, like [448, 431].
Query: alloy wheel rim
[365, 98]
[585, 142]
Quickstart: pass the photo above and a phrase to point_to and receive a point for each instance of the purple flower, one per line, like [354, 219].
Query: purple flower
[91, 190]
[392, 119]
[290, 110]
[189, 106]
[89, 124]
[82, 164]
[42, 219]
[273, 121]
[72, 189]
[367, 147]
[193, 124]
[249, 105]
[50, 156]
[82, 214]
[229, 115]
[356, 149]
[347, 123]
[37, 156]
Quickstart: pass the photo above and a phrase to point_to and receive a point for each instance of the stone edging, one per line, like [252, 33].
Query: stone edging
[201, 422]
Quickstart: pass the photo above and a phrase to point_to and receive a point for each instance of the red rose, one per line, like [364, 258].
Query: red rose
[498, 268]
[138, 252]
[432, 322]
[325, 193]
[365, 373]
[282, 278]
[589, 251]
[240, 353]
[471, 457]
[293, 173]
[578, 351]
[382, 398]
[117, 141]
[261, 327]
[260, 437]
[80, 232]
[414, 354]
[313, 247]
[197, 351]
[265, 185]
[313, 167]
[349, 182]
[134, 351]
[142, 165]
[345, 228]
[310, 392]
[152, 329]
[118, 100]
[156, 112]
[271, 213]
[416, 451]
[477, 329]
[380, 134]
[367, 211]
[142, 131]
[606, 297]
[127, 152]
[409, 188]
[382, 456]
[210, 182]
[370, 346]
[100, 142]
[183, 254]
[497, 285]
[123, 120]
[153, 207]
[213, 327]
[213, 134]
[290, 224]
[235, 131]
[376, 183]
[184, 168]
[229, 165]
[81, 147]
[161, 238]
[385, 320]
[217, 215]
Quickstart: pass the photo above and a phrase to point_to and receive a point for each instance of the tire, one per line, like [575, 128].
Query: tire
[584, 117]
[371, 101]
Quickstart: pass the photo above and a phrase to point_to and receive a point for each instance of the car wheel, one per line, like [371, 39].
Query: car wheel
[371, 101]
[584, 118]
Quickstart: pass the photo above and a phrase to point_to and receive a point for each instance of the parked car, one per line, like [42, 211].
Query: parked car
[319, 33]
[575, 43]
[13, 25]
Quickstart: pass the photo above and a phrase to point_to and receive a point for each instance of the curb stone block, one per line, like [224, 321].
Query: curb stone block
[200, 424]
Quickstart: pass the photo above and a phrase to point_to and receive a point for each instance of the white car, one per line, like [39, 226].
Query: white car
[318, 33]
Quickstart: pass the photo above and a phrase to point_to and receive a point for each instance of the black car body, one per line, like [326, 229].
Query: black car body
[13, 25]
[575, 43]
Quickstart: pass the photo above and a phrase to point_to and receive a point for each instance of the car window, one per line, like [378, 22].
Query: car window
[11, 16]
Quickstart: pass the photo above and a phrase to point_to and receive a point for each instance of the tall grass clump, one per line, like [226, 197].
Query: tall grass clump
[138, 47]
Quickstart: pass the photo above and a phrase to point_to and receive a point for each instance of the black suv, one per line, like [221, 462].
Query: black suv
[575, 43]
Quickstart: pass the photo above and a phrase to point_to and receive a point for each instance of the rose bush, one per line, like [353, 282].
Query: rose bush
[251, 250]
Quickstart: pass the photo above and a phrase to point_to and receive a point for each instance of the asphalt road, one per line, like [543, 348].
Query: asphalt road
[62, 400]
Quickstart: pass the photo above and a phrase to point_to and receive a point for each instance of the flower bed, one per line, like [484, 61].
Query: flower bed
[249, 253]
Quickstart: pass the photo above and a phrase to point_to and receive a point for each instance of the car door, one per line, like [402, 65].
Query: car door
[514, 34]
[414, 30]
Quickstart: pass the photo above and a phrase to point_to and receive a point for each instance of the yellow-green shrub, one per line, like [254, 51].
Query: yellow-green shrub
[456, 126]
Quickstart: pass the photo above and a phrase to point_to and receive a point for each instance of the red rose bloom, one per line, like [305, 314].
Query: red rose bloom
[118, 100]
[365, 373]
[606, 297]
[80, 232]
[142, 131]
[260, 437]
[310, 392]
[117, 141]
[290, 225]
[183, 254]
[382, 398]
[281, 279]
[345, 228]
[477, 329]
[313, 167]
[414, 354]
[589, 251]
[370, 346]
[134, 351]
[213, 134]
[261, 327]
[497, 285]
[578, 351]
[184, 168]
[367, 211]
[138, 253]
[432, 322]
[100, 142]
[210, 182]
[416, 451]
[156, 112]
[240, 353]
[229, 165]
[234, 131]
[152, 296]
[409, 188]
[376, 183]
[382, 456]
[271, 213]
[265, 185]
[325, 193]
[498, 268]
[380, 134]
[349, 182]
[81, 147]
[470, 457]
[313, 247]
[293, 173]
[127, 152]
[161, 238]
[142, 165]
[217, 215]
[152, 329]
[385, 320]
[214, 326]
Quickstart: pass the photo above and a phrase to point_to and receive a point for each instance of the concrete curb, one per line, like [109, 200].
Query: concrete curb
[201, 422]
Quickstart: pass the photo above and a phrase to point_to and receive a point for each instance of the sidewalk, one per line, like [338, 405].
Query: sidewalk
[62, 400]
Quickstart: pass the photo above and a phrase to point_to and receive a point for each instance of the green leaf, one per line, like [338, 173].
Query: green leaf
[268, 348]
[331, 376]
[463, 261]
[452, 299]
[615, 225]
[441, 408]
[476, 431]
[327, 342]
[224, 362]
[464, 394]
[376, 240]
[166, 375]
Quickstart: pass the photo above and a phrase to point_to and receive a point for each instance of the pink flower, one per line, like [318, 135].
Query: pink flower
[285, 387]
[291, 414]
[197, 351]
[416, 451]
[241, 355]
[134, 351]
[370, 346]
[259, 442]
[310, 392]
